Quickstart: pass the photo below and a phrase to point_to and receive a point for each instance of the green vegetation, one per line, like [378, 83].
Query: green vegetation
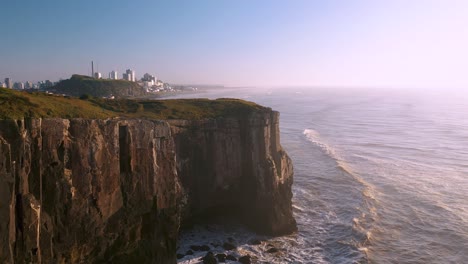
[17, 105]
[78, 85]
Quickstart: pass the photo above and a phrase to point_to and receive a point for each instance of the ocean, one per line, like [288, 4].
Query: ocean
[381, 176]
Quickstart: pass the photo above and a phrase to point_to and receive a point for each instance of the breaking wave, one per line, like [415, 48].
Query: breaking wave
[363, 222]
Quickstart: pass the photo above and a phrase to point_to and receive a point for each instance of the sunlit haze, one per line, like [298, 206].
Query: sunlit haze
[417, 43]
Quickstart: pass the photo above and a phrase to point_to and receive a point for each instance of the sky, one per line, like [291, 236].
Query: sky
[393, 43]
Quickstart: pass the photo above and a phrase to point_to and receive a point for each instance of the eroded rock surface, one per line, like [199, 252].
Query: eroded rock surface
[84, 191]
[237, 167]
[94, 191]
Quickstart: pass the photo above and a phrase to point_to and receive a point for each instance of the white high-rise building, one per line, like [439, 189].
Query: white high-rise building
[18, 86]
[2, 85]
[113, 75]
[129, 75]
[28, 85]
[97, 75]
[8, 83]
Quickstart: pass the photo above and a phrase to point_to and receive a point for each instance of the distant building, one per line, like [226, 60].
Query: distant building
[149, 78]
[28, 85]
[129, 75]
[45, 85]
[18, 86]
[148, 81]
[147, 85]
[113, 75]
[3, 85]
[97, 75]
[8, 83]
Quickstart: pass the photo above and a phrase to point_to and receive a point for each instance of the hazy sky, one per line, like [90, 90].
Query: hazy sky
[405, 43]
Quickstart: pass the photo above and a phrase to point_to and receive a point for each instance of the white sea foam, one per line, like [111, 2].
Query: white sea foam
[314, 137]
[215, 235]
[363, 223]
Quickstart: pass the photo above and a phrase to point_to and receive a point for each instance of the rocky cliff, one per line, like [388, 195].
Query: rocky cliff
[117, 190]
[236, 166]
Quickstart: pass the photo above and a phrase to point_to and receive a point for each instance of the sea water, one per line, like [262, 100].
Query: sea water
[381, 176]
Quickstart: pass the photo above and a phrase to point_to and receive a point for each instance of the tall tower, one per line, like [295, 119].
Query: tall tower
[130, 75]
[8, 83]
[113, 75]
[92, 69]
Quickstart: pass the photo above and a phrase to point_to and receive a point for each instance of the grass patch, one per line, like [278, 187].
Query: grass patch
[18, 105]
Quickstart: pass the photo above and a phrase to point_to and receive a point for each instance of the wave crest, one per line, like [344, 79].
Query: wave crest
[363, 223]
[314, 137]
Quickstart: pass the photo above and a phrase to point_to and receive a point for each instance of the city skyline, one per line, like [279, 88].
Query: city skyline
[112, 74]
[262, 43]
[129, 75]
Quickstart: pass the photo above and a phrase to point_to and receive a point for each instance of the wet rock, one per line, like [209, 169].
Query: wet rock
[245, 259]
[179, 256]
[231, 257]
[195, 248]
[215, 245]
[229, 246]
[272, 250]
[255, 242]
[204, 248]
[189, 252]
[209, 258]
[221, 257]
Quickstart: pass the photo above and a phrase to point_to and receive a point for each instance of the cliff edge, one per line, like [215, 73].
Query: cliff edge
[117, 190]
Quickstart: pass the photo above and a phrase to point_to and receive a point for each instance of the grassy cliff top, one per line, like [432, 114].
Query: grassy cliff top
[18, 105]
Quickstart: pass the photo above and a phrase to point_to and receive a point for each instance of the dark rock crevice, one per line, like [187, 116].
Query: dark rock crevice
[124, 147]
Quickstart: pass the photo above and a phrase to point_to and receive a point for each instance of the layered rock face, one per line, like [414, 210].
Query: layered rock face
[87, 191]
[116, 191]
[236, 166]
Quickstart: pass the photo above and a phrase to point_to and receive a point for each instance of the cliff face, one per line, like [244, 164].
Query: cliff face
[90, 191]
[85, 191]
[236, 167]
